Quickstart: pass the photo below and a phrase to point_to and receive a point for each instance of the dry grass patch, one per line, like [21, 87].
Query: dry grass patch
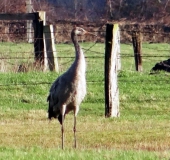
[31, 128]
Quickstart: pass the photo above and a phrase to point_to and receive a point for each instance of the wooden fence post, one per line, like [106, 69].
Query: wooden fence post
[29, 22]
[111, 66]
[50, 54]
[38, 41]
[38, 32]
[137, 44]
[118, 52]
[42, 16]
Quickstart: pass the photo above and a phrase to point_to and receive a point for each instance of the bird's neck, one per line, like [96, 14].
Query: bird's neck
[78, 50]
[80, 59]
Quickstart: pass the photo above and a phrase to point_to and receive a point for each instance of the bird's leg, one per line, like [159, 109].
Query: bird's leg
[62, 124]
[74, 129]
[62, 130]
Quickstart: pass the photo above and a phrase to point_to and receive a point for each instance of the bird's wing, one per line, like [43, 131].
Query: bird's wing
[53, 100]
[57, 87]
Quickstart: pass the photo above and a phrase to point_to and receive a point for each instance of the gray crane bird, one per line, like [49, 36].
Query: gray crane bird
[69, 89]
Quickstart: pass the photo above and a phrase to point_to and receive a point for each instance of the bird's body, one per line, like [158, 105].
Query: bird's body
[68, 90]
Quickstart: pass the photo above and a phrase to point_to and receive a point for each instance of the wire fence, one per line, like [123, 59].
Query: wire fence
[140, 93]
[17, 35]
[18, 56]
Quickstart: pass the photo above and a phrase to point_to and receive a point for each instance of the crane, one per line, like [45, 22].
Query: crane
[69, 89]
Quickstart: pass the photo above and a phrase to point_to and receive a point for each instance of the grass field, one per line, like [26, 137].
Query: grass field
[142, 132]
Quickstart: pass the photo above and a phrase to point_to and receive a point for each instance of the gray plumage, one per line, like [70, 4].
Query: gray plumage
[69, 89]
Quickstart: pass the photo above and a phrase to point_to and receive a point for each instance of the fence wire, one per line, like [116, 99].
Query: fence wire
[140, 93]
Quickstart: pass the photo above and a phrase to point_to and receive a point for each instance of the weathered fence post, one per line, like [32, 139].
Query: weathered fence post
[38, 23]
[42, 16]
[38, 41]
[118, 52]
[111, 66]
[137, 44]
[50, 53]
[29, 22]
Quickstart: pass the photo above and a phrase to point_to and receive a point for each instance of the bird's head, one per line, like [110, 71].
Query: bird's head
[80, 31]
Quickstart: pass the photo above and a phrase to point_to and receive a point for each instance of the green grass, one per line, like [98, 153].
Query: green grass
[57, 154]
[14, 54]
[141, 132]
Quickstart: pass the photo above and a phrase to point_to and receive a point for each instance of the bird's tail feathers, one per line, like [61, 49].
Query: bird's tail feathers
[60, 118]
[51, 112]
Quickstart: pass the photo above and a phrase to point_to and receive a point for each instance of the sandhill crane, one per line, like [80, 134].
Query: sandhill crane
[69, 89]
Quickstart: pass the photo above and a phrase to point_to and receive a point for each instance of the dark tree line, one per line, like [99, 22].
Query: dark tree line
[140, 10]
[94, 10]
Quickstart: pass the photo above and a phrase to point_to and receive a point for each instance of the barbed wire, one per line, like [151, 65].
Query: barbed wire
[88, 49]
[157, 81]
[35, 84]
[87, 57]
[60, 31]
[122, 54]
[17, 31]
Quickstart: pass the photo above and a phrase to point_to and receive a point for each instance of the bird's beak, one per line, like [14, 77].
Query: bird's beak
[89, 33]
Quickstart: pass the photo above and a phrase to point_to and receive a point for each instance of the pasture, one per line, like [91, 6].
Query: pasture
[141, 132]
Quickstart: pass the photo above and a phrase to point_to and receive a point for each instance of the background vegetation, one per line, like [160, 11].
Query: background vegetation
[145, 11]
